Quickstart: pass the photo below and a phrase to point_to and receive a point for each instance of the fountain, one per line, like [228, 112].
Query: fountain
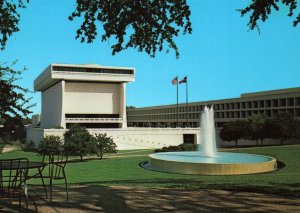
[207, 160]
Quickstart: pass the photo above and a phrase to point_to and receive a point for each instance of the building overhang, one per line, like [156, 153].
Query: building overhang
[86, 72]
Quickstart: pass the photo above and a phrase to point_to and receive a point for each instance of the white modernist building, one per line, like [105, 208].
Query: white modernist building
[94, 96]
[91, 95]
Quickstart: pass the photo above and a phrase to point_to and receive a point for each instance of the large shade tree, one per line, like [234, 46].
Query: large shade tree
[13, 100]
[145, 25]
[260, 10]
[14, 105]
[9, 19]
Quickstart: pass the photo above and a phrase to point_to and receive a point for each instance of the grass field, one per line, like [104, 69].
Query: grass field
[123, 169]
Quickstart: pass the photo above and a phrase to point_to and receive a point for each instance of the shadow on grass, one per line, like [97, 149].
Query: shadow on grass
[285, 190]
[99, 198]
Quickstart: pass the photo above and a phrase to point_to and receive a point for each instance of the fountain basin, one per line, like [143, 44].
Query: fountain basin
[226, 163]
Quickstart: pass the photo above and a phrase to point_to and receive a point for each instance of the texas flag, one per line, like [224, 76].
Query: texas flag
[175, 80]
[184, 80]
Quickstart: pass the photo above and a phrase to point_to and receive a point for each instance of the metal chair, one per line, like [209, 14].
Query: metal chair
[56, 171]
[13, 176]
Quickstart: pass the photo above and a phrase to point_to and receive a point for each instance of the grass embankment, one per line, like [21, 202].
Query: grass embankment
[123, 169]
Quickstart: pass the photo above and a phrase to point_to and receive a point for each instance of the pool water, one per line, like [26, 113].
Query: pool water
[221, 158]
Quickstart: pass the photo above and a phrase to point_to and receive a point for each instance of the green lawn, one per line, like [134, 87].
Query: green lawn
[123, 169]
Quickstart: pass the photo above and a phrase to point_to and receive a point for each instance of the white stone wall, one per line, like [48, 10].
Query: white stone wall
[35, 135]
[91, 98]
[51, 115]
[130, 138]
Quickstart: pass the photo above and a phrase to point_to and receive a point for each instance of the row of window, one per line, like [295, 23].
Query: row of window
[284, 102]
[91, 115]
[228, 114]
[93, 70]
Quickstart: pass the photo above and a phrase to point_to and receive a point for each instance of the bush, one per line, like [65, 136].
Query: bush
[179, 148]
[50, 145]
[188, 147]
[1, 145]
[103, 144]
[29, 147]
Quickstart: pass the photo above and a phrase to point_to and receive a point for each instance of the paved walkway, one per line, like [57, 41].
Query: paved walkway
[93, 198]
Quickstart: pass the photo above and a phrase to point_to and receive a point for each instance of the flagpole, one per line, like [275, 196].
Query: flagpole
[187, 101]
[177, 101]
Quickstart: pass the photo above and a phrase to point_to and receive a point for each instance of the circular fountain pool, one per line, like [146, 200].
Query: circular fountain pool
[226, 163]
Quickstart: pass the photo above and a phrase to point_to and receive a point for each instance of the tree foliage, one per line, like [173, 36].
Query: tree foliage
[234, 131]
[9, 19]
[103, 144]
[77, 141]
[285, 126]
[50, 145]
[150, 23]
[145, 25]
[13, 129]
[262, 9]
[258, 128]
[12, 100]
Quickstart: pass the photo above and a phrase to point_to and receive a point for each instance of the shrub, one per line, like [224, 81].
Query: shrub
[181, 147]
[50, 145]
[29, 146]
[188, 147]
[1, 145]
[103, 144]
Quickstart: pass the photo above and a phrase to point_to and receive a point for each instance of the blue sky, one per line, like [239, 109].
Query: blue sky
[221, 58]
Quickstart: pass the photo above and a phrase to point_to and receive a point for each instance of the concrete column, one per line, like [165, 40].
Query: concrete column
[123, 105]
[63, 121]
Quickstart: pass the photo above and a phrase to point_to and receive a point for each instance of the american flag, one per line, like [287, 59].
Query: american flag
[175, 81]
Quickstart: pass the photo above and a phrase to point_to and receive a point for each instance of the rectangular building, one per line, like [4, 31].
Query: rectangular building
[90, 95]
[267, 102]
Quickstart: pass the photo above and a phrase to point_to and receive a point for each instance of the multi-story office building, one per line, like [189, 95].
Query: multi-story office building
[248, 104]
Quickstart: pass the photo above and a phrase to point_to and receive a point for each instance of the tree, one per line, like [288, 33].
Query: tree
[261, 10]
[13, 129]
[234, 131]
[9, 19]
[12, 100]
[285, 127]
[258, 128]
[148, 24]
[77, 141]
[50, 145]
[104, 144]
[1, 146]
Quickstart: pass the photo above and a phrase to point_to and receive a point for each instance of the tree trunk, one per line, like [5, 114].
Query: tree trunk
[261, 142]
[81, 157]
[236, 143]
[256, 142]
[281, 141]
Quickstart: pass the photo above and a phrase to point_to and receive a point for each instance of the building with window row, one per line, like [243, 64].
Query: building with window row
[269, 103]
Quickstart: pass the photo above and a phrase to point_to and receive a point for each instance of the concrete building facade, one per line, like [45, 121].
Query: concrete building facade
[267, 102]
[91, 95]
